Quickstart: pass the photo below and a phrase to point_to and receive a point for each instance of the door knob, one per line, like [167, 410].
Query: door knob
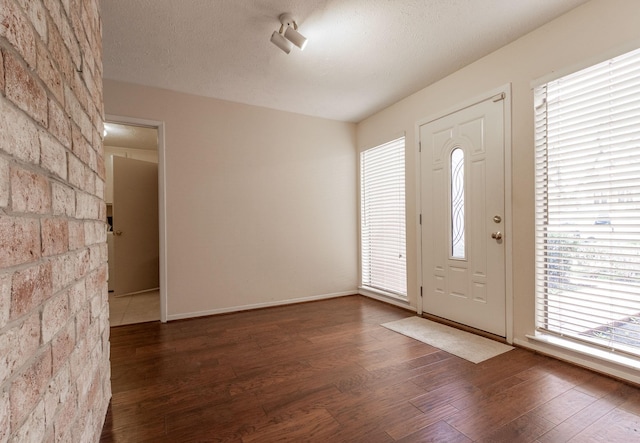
[497, 235]
[118, 233]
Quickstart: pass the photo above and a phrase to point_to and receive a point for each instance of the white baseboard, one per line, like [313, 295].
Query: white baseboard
[240, 308]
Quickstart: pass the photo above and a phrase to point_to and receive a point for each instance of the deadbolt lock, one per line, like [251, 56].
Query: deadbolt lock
[497, 219]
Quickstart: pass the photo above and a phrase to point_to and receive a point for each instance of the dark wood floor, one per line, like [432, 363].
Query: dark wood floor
[328, 372]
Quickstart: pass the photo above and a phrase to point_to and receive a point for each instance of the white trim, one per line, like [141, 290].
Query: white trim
[613, 364]
[508, 180]
[418, 212]
[383, 297]
[240, 308]
[382, 140]
[508, 215]
[162, 201]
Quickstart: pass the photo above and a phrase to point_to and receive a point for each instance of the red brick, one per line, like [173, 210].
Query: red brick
[92, 161]
[81, 94]
[80, 357]
[88, 208]
[96, 282]
[63, 345]
[30, 288]
[55, 9]
[63, 200]
[88, 61]
[59, 124]
[92, 87]
[75, 109]
[18, 134]
[95, 389]
[58, 52]
[4, 183]
[99, 192]
[20, 240]
[33, 429]
[5, 416]
[16, 28]
[97, 256]
[53, 156]
[55, 236]
[81, 176]
[83, 322]
[22, 89]
[66, 414]
[67, 6]
[91, 15]
[5, 299]
[76, 235]
[55, 315]
[1, 78]
[18, 345]
[70, 41]
[80, 145]
[95, 232]
[30, 192]
[102, 215]
[82, 261]
[101, 169]
[77, 297]
[48, 72]
[63, 271]
[29, 386]
[37, 16]
[59, 390]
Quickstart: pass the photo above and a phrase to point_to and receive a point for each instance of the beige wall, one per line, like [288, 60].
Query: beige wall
[261, 205]
[593, 32]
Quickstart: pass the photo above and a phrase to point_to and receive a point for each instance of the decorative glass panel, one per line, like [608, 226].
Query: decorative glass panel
[457, 203]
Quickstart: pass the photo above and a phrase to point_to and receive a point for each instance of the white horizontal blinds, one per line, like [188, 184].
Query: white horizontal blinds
[383, 232]
[588, 204]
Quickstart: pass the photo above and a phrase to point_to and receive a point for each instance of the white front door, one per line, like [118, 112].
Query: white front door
[463, 256]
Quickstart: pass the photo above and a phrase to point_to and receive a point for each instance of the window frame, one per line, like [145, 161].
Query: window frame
[397, 286]
[569, 339]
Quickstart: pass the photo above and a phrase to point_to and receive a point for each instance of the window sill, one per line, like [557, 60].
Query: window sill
[612, 363]
[386, 297]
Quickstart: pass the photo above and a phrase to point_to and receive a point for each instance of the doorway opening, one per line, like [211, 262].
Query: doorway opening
[134, 194]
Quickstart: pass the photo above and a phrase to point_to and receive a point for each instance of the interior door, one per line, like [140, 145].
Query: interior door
[135, 225]
[462, 176]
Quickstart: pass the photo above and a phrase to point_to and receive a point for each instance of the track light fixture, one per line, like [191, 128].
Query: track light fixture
[277, 38]
[284, 40]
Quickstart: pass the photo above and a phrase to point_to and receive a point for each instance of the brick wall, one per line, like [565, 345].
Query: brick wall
[54, 330]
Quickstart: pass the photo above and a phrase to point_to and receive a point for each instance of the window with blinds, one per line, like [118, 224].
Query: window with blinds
[382, 222]
[587, 129]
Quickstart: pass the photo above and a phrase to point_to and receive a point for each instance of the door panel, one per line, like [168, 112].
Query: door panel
[135, 225]
[467, 286]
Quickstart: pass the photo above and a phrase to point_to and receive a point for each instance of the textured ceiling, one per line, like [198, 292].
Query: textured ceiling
[362, 55]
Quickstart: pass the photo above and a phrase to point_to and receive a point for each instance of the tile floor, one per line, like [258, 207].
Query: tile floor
[138, 308]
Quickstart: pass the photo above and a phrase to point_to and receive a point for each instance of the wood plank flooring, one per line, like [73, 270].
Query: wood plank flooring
[328, 372]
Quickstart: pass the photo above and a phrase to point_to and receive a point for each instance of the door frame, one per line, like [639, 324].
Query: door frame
[162, 207]
[508, 209]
